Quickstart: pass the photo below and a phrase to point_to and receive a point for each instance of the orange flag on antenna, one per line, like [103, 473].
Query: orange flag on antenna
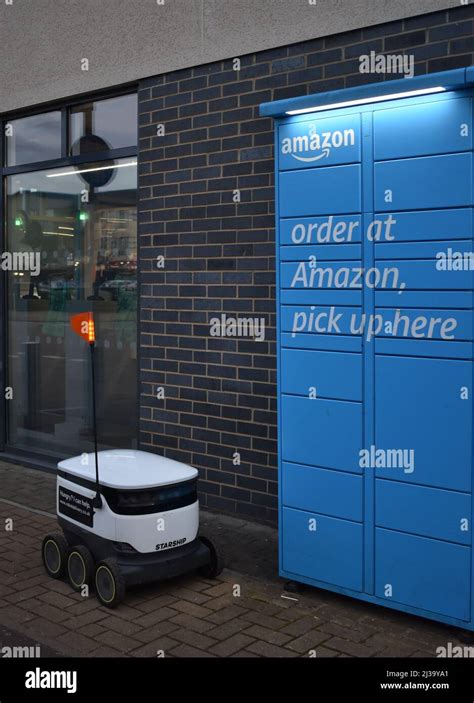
[83, 325]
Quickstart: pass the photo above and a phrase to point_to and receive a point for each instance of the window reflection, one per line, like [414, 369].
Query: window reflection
[103, 125]
[86, 236]
[35, 138]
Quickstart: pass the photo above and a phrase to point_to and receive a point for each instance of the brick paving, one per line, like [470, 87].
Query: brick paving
[243, 613]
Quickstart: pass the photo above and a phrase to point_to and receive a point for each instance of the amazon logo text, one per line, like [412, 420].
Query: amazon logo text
[318, 145]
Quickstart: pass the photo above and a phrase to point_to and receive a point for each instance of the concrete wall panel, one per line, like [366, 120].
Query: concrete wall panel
[42, 42]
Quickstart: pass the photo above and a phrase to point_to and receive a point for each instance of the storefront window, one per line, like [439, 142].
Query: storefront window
[32, 139]
[103, 125]
[80, 224]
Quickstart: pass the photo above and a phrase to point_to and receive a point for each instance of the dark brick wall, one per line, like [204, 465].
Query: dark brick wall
[220, 394]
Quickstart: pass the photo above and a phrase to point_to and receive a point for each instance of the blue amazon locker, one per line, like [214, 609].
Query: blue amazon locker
[375, 284]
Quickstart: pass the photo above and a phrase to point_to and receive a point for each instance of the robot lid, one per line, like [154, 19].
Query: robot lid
[129, 469]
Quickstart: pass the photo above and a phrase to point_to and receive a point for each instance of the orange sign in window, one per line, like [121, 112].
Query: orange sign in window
[83, 325]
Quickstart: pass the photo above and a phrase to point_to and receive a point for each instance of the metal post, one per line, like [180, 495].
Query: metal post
[97, 503]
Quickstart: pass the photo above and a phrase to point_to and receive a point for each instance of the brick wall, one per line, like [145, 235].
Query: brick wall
[220, 393]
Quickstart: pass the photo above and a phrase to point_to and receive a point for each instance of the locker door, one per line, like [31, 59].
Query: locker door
[419, 408]
[423, 573]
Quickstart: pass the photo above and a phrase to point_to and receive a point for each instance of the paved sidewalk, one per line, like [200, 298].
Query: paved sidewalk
[244, 613]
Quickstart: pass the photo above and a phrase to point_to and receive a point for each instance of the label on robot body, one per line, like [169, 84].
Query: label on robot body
[75, 506]
[167, 545]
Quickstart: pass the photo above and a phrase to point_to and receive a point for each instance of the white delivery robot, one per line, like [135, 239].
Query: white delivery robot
[145, 529]
[127, 517]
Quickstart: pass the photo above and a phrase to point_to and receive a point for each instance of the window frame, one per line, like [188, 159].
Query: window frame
[33, 458]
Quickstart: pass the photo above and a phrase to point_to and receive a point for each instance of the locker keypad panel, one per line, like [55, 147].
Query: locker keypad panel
[375, 352]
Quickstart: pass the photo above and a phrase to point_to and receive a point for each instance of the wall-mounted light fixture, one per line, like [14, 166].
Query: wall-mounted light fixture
[365, 101]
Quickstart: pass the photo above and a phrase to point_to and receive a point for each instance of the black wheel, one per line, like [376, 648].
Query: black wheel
[215, 565]
[80, 567]
[109, 583]
[54, 553]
